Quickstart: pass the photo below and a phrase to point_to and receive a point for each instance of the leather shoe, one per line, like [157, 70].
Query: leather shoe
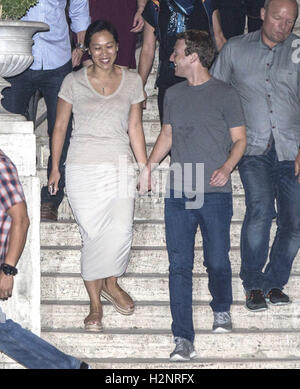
[48, 212]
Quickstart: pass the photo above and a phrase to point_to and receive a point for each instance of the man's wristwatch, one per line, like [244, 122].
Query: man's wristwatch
[80, 46]
[8, 269]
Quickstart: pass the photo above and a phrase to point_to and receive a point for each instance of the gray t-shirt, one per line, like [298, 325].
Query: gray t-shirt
[201, 117]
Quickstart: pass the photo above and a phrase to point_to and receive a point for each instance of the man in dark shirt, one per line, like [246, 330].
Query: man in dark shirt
[164, 19]
[233, 16]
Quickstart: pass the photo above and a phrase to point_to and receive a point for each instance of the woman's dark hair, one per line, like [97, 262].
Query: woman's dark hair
[98, 26]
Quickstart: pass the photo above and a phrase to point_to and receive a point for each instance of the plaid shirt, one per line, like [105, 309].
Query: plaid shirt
[11, 193]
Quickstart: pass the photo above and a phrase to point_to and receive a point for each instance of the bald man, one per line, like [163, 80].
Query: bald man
[263, 66]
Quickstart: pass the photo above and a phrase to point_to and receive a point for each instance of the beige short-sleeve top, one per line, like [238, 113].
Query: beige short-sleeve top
[100, 123]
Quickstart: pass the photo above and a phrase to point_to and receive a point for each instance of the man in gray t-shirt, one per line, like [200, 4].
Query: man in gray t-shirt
[203, 127]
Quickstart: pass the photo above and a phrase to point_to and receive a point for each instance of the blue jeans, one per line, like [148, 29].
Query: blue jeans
[265, 180]
[181, 225]
[16, 100]
[31, 351]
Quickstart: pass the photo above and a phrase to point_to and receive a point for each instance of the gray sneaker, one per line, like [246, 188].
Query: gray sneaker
[184, 350]
[222, 322]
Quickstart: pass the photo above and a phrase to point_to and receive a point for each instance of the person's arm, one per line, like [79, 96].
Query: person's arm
[78, 52]
[147, 54]
[297, 166]
[161, 148]
[63, 114]
[136, 134]
[80, 19]
[221, 176]
[217, 29]
[138, 20]
[17, 239]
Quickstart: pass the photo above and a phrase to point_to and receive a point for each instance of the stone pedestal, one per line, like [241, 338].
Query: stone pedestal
[17, 141]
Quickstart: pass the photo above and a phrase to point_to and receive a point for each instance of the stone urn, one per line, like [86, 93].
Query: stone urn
[15, 54]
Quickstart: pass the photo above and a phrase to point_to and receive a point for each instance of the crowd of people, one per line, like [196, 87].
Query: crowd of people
[226, 98]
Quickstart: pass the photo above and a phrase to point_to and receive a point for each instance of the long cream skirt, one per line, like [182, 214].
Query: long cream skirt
[102, 201]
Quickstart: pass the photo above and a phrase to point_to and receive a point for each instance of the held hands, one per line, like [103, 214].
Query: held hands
[53, 182]
[220, 176]
[6, 286]
[146, 181]
[144, 103]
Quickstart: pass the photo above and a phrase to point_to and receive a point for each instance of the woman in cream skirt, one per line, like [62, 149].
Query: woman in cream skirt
[105, 100]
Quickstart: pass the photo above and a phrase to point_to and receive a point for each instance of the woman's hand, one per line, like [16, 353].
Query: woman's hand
[53, 182]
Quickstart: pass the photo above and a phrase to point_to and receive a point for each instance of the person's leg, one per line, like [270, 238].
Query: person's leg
[16, 98]
[181, 227]
[214, 219]
[31, 351]
[257, 176]
[50, 82]
[114, 293]
[287, 240]
[93, 321]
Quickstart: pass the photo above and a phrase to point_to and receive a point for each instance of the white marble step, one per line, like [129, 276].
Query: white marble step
[156, 315]
[162, 363]
[151, 131]
[142, 260]
[151, 287]
[245, 344]
[146, 233]
[209, 363]
[160, 176]
[152, 208]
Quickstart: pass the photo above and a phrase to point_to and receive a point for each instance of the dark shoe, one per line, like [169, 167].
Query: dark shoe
[184, 350]
[84, 365]
[255, 301]
[222, 322]
[277, 297]
[48, 212]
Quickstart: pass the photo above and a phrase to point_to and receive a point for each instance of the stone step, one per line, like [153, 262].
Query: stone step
[43, 153]
[152, 208]
[208, 363]
[151, 111]
[151, 131]
[142, 287]
[161, 177]
[146, 233]
[156, 315]
[142, 261]
[160, 363]
[158, 344]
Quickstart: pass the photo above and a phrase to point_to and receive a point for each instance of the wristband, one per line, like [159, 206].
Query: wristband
[80, 46]
[8, 269]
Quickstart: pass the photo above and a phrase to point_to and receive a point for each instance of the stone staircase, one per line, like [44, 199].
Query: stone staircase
[270, 339]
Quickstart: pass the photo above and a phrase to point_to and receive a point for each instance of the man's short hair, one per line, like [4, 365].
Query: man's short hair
[201, 43]
[267, 3]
